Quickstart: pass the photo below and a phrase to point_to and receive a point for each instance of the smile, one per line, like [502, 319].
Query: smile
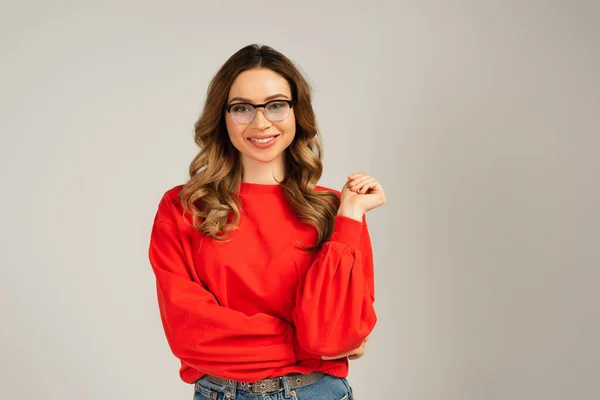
[263, 143]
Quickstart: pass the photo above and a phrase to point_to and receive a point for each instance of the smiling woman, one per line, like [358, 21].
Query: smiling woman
[265, 280]
[261, 134]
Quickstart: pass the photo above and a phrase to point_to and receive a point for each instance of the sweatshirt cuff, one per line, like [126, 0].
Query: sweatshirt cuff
[347, 231]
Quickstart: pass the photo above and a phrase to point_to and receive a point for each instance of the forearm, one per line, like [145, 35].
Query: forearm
[334, 306]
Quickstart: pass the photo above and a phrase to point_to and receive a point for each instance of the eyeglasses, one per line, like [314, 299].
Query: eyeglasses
[275, 110]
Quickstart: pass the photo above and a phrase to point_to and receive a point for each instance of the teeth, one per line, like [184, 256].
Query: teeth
[264, 140]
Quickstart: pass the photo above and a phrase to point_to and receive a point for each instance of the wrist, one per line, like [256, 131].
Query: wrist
[351, 212]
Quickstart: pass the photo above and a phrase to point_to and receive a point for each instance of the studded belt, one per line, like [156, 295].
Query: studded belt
[270, 384]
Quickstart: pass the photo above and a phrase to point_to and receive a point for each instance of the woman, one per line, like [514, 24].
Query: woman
[264, 279]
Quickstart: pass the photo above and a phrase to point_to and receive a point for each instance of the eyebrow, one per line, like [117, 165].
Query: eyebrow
[266, 98]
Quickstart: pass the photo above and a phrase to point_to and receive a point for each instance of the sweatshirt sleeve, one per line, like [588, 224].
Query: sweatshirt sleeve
[200, 332]
[334, 304]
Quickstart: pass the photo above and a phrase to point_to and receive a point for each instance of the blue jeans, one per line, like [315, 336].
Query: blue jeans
[327, 388]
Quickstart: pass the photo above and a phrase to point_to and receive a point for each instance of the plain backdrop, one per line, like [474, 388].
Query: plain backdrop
[479, 118]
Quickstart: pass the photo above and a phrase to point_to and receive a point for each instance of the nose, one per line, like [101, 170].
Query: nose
[260, 118]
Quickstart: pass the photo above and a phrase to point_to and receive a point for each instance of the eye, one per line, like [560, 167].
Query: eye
[277, 105]
[241, 108]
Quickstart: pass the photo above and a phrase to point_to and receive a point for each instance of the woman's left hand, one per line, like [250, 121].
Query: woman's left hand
[352, 355]
[361, 193]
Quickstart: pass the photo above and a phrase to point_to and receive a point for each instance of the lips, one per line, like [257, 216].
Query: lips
[266, 144]
[262, 137]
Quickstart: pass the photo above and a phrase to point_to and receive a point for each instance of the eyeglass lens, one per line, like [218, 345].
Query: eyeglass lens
[243, 113]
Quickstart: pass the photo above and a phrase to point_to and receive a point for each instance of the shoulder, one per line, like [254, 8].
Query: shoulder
[173, 193]
[171, 196]
[169, 202]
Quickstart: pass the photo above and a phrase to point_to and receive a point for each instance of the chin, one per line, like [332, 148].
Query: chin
[264, 158]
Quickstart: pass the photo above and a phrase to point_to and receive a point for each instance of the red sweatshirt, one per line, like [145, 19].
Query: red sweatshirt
[257, 306]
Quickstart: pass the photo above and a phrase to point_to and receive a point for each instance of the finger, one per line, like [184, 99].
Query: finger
[358, 185]
[374, 187]
[358, 176]
[363, 181]
[357, 173]
[368, 185]
[336, 357]
[357, 354]
[352, 176]
[359, 179]
[343, 355]
[365, 186]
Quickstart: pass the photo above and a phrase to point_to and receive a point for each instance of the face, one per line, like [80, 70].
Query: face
[257, 86]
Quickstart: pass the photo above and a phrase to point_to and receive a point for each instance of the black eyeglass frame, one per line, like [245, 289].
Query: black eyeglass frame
[291, 103]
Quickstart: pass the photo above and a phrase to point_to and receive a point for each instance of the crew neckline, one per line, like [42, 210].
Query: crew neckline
[249, 188]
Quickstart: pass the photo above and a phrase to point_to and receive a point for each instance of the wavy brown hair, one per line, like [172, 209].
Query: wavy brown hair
[216, 172]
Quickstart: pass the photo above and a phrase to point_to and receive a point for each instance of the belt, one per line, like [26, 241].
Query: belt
[270, 384]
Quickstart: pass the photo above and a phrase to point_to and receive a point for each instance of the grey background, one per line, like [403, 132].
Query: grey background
[479, 118]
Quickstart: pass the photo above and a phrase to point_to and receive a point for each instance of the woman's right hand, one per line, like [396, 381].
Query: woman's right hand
[352, 355]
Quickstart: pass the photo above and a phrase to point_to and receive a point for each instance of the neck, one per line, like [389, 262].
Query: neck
[265, 173]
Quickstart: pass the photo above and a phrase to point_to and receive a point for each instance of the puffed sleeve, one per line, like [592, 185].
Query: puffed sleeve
[334, 310]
